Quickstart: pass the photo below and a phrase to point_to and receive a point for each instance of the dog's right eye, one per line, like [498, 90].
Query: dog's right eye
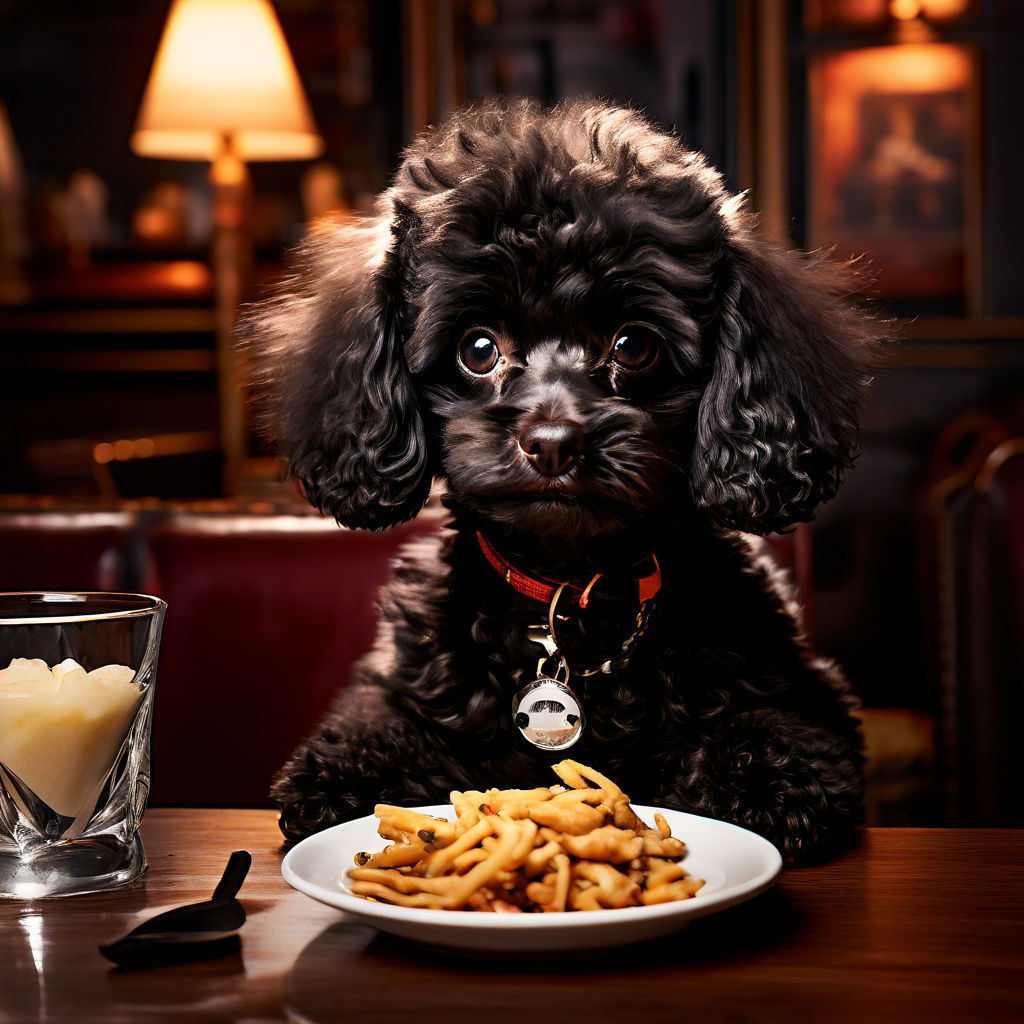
[478, 352]
[635, 346]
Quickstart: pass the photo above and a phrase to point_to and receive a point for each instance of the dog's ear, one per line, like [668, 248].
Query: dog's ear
[790, 360]
[331, 379]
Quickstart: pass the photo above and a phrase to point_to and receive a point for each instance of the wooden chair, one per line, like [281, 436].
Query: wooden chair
[976, 533]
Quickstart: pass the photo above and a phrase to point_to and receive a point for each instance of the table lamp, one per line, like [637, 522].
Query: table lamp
[224, 88]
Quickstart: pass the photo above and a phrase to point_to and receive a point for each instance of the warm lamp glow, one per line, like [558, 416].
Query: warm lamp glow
[223, 76]
[942, 10]
[905, 10]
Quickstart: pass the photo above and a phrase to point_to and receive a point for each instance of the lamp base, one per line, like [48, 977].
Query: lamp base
[232, 259]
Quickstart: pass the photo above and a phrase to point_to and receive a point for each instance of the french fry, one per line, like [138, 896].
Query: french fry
[397, 855]
[402, 882]
[466, 860]
[487, 870]
[656, 845]
[527, 837]
[662, 872]
[516, 803]
[572, 847]
[437, 863]
[608, 843]
[469, 805]
[388, 894]
[540, 857]
[403, 822]
[610, 887]
[682, 889]
[574, 818]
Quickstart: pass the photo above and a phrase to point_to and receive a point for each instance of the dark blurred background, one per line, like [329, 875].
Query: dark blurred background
[889, 128]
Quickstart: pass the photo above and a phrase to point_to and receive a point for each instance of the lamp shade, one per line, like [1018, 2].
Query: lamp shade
[223, 76]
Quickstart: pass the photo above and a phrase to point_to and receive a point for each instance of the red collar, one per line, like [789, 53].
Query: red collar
[542, 589]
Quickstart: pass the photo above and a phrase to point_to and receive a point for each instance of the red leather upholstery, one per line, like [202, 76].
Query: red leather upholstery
[265, 615]
[62, 550]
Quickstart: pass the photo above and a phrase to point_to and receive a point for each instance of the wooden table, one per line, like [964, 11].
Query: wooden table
[914, 924]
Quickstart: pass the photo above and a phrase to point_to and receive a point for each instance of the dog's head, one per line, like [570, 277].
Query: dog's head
[567, 317]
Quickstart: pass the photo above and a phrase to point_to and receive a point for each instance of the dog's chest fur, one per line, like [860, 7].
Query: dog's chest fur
[454, 652]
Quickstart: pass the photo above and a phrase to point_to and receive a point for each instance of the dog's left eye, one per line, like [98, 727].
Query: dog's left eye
[635, 346]
[478, 352]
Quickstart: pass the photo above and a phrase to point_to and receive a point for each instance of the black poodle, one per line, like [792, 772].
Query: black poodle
[566, 320]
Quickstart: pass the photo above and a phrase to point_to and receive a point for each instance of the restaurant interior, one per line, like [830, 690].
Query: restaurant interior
[133, 227]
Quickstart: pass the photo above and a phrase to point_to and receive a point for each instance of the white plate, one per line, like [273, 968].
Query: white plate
[734, 863]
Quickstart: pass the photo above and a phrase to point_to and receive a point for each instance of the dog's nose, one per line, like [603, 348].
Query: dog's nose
[552, 447]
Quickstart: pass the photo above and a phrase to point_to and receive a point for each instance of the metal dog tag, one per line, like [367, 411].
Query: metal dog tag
[548, 714]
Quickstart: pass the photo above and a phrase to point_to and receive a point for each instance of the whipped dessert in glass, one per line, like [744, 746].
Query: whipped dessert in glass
[77, 682]
[61, 728]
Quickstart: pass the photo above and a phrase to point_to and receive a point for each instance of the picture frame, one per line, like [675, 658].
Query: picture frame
[894, 167]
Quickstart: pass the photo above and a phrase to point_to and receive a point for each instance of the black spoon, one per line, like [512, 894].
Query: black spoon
[199, 931]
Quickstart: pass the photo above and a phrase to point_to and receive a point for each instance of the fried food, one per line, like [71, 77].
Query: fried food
[577, 846]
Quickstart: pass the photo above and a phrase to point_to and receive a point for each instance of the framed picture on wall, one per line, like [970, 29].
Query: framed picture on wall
[894, 166]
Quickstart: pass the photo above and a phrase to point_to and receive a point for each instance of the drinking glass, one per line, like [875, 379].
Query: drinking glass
[77, 677]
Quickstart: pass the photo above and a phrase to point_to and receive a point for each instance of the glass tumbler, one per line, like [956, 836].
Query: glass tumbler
[77, 675]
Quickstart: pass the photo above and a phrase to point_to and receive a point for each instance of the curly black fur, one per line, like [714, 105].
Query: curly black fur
[552, 229]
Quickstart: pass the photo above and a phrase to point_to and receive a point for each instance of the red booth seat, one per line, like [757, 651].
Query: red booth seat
[43, 550]
[265, 616]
